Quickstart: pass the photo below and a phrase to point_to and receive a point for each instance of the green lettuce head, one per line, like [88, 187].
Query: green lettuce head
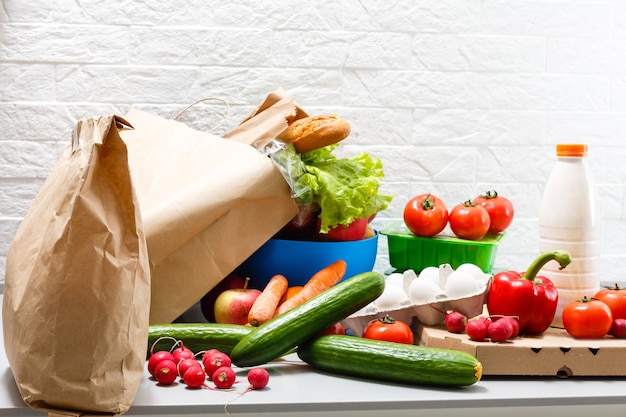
[344, 189]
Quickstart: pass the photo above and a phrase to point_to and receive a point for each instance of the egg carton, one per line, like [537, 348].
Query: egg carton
[418, 303]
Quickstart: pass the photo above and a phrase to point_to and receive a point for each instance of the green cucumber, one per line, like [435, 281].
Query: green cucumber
[197, 336]
[286, 331]
[390, 362]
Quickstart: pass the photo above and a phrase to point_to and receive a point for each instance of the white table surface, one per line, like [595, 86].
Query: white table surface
[296, 390]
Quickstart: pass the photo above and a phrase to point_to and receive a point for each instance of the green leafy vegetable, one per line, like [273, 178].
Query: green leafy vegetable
[344, 189]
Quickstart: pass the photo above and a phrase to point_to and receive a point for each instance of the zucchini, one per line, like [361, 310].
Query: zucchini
[198, 336]
[390, 362]
[284, 332]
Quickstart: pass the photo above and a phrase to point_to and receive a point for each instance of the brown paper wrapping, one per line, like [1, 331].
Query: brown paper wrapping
[207, 202]
[77, 287]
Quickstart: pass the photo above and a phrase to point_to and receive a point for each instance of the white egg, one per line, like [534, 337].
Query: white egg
[473, 270]
[391, 298]
[430, 273]
[396, 279]
[460, 285]
[424, 291]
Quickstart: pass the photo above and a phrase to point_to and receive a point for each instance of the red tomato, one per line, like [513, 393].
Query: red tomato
[500, 210]
[389, 330]
[336, 328]
[615, 298]
[469, 221]
[425, 215]
[587, 319]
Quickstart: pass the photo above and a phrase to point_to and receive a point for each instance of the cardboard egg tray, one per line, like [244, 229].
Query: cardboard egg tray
[431, 313]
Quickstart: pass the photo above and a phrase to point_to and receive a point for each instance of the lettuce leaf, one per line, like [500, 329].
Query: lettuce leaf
[344, 189]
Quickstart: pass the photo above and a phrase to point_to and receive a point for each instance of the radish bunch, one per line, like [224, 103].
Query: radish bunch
[167, 366]
[495, 328]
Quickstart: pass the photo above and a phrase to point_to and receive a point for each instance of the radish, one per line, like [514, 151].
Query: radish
[186, 364]
[477, 328]
[515, 324]
[224, 377]
[258, 378]
[157, 357]
[618, 328]
[182, 352]
[208, 354]
[500, 330]
[194, 376]
[214, 361]
[165, 372]
[455, 322]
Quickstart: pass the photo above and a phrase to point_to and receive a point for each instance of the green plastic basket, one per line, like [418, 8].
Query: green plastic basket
[408, 251]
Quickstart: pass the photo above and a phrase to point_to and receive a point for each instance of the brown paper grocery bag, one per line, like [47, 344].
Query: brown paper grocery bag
[77, 288]
[207, 203]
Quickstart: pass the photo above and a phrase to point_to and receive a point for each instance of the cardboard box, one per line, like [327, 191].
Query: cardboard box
[554, 353]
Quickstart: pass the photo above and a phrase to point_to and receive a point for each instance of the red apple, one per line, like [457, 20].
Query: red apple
[207, 303]
[353, 231]
[232, 306]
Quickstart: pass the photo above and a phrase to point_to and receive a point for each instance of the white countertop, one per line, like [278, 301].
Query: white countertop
[295, 389]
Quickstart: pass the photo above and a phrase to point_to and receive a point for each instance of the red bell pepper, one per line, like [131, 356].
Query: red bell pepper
[533, 299]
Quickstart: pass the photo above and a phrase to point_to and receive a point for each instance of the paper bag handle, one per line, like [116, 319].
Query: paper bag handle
[220, 124]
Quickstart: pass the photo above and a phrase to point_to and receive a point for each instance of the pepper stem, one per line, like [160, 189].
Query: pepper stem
[561, 256]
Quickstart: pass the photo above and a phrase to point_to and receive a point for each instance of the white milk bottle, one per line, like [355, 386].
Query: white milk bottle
[570, 219]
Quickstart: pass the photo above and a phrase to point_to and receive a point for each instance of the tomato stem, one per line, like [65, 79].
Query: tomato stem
[490, 194]
[428, 203]
[387, 319]
[561, 256]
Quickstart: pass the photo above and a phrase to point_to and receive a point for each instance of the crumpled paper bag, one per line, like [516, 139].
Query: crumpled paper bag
[208, 202]
[77, 286]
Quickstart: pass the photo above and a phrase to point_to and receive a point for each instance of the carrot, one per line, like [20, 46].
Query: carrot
[319, 282]
[291, 291]
[265, 305]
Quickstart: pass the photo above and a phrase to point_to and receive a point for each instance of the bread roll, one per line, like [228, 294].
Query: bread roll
[315, 132]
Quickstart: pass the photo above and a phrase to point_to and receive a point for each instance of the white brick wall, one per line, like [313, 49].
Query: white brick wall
[455, 96]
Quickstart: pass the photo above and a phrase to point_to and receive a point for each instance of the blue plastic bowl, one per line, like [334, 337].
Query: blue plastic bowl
[299, 260]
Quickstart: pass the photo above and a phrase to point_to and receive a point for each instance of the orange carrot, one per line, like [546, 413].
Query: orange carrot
[291, 291]
[265, 305]
[319, 282]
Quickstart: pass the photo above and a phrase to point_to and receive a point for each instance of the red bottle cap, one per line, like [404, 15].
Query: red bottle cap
[571, 149]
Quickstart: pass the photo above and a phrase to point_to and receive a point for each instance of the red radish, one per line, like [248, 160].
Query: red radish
[500, 330]
[258, 378]
[224, 377]
[194, 376]
[208, 353]
[157, 357]
[477, 328]
[514, 324]
[165, 372]
[186, 364]
[455, 322]
[618, 328]
[182, 352]
[214, 361]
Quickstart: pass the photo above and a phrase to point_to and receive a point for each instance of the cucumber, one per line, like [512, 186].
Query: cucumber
[284, 332]
[197, 336]
[390, 362]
